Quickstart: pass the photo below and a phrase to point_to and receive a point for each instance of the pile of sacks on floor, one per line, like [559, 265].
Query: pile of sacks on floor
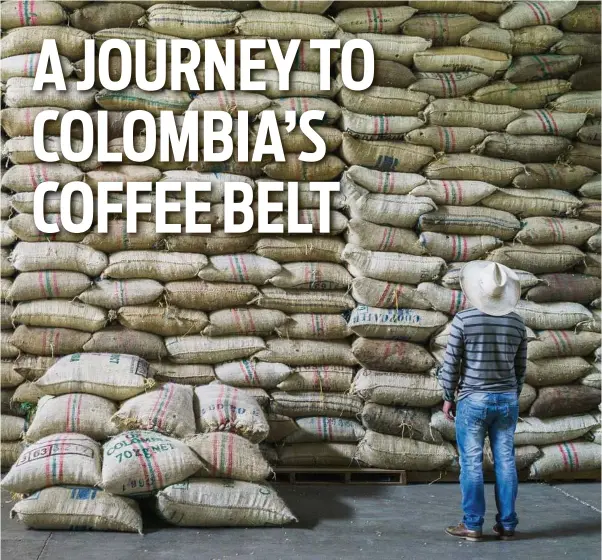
[478, 140]
[104, 433]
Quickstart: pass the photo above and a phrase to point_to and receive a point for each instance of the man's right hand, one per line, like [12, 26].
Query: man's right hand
[449, 409]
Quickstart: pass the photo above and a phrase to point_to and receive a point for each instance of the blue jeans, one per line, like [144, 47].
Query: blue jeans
[478, 414]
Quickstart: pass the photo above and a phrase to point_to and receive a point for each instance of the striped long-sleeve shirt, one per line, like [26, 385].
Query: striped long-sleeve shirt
[484, 354]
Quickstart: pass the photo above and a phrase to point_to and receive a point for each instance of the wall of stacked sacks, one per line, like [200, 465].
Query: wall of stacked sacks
[480, 139]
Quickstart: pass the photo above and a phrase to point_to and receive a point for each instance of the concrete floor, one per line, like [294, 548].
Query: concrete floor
[345, 522]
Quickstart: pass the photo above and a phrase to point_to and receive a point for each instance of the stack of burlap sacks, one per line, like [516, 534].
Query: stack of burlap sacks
[443, 158]
[149, 447]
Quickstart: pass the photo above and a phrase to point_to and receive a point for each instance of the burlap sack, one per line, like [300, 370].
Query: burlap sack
[85, 509]
[447, 139]
[219, 503]
[306, 58]
[448, 84]
[375, 293]
[566, 457]
[117, 239]
[594, 243]
[385, 155]
[397, 388]
[76, 412]
[590, 133]
[312, 276]
[556, 371]
[300, 248]
[188, 22]
[167, 409]
[25, 178]
[7, 349]
[47, 284]
[446, 59]
[459, 112]
[164, 267]
[93, 18]
[538, 259]
[33, 367]
[385, 182]
[543, 67]
[536, 202]
[165, 461]
[196, 349]
[280, 427]
[19, 121]
[527, 149]
[114, 294]
[557, 344]
[251, 373]
[474, 167]
[578, 288]
[25, 40]
[29, 257]
[57, 460]
[318, 454]
[444, 299]
[60, 313]
[535, 431]
[384, 101]
[552, 315]
[27, 394]
[323, 326]
[302, 403]
[209, 296]
[305, 301]
[408, 324]
[542, 121]
[245, 268]
[230, 101]
[9, 377]
[6, 266]
[392, 267]
[527, 40]
[332, 111]
[306, 352]
[458, 248]
[6, 313]
[321, 428]
[285, 25]
[9, 453]
[187, 374]
[585, 45]
[293, 169]
[20, 93]
[443, 29]
[228, 409]
[552, 176]
[227, 455]
[400, 421]
[244, 321]
[391, 452]
[564, 400]
[375, 237]
[377, 20]
[391, 355]
[12, 428]
[522, 15]
[587, 78]
[583, 19]
[578, 102]
[378, 127]
[114, 376]
[329, 379]
[256, 393]
[15, 14]
[216, 243]
[163, 321]
[543, 231]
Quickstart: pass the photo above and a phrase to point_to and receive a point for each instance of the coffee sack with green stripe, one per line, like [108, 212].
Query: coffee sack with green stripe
[61, 459]
[166, 409]
[142, 461]
[78, 508]
[400, 421]
[222, 503]
[79, 413]
[228, 455]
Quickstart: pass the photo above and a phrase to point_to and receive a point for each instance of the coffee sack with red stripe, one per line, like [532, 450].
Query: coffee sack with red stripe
[142, 461]
[61, 459]
[566, 457]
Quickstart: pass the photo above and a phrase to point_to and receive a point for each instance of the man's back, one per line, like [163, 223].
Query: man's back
[487, 352]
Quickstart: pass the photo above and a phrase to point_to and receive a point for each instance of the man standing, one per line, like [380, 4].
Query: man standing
[484, 368]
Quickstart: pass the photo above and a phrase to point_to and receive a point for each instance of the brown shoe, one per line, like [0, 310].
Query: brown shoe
[501, 533]
[460, 531]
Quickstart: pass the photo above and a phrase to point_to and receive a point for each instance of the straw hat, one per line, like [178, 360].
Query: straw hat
[492, 288]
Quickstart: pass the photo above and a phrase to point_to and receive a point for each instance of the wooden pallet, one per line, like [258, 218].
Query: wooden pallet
[341, 475]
